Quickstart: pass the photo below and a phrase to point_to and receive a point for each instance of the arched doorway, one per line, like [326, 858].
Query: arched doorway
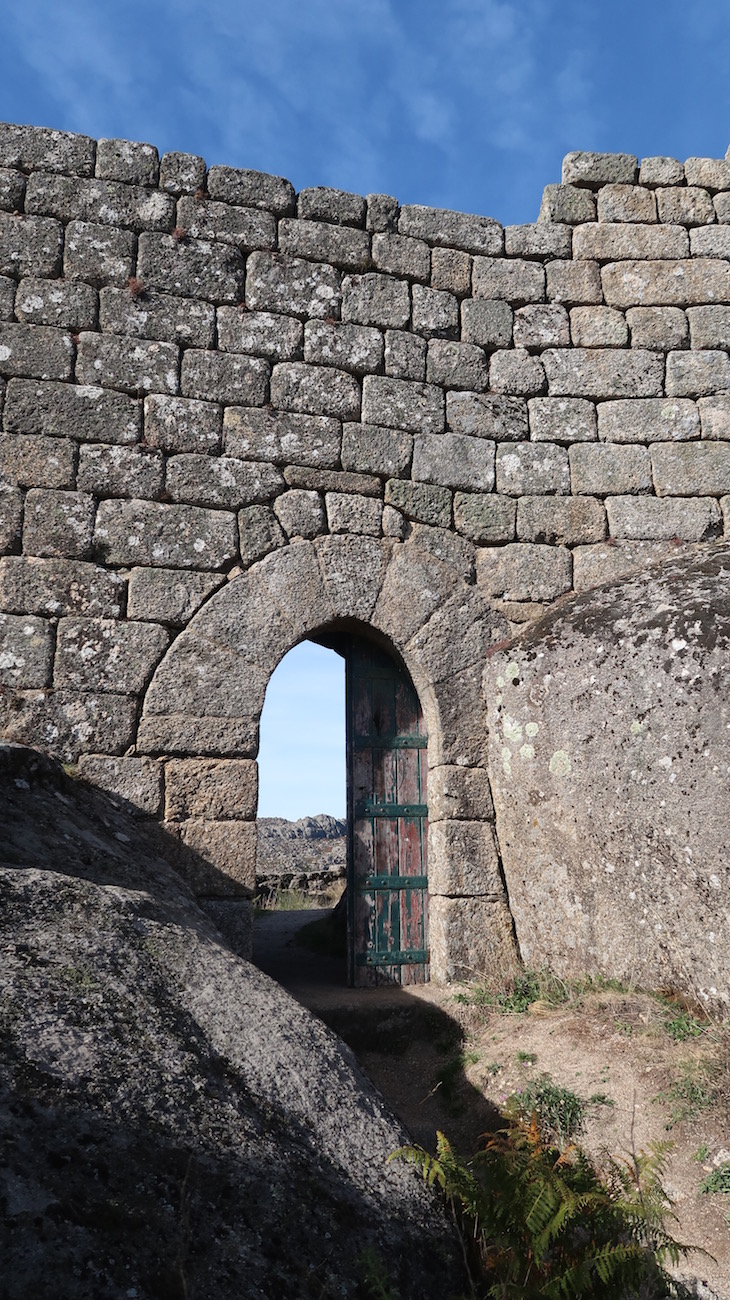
[205, 699]
[302, 769]
[385, 908]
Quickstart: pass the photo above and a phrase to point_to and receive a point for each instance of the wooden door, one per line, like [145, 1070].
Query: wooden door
[387, 820]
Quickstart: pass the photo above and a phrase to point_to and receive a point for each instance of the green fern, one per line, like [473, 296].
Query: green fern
[375, 1276]
[538, 1222]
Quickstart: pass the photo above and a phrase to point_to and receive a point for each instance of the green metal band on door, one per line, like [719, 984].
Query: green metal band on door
[391, 742]
[399, 957]
[392, 882]
[413, 810]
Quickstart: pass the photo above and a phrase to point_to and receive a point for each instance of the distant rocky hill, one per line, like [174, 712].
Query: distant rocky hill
[172, 1123]
[307, 855]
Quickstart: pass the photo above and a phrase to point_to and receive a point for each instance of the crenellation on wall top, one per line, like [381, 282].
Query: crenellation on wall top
[322, 203]
[183, 173]
[28, 149]
[32, 148]
[596, 169]
[128, 161]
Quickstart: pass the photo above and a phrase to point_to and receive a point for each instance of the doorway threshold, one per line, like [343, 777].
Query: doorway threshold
[316, 980]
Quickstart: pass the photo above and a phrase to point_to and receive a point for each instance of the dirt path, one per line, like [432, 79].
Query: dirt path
[443, 1063]
[403, 1037]
[306, 975]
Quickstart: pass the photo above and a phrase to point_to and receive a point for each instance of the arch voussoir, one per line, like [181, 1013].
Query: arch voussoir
[244, 618]
[415, 584]
[212, 679]
[457, 635]
[293, 579]
[353, 569]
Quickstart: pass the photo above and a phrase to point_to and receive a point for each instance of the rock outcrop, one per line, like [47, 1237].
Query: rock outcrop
[308, 855]
[172, 1123]
[609, 729]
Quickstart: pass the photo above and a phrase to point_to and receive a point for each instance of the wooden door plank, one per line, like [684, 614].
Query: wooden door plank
[408, 719]
[387, 818]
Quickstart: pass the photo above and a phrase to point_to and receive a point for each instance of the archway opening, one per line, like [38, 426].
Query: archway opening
[301, 858]
[207, 694]
[302, 736]
[384, 914]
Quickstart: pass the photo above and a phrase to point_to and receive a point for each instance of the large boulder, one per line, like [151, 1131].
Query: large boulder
[610, 765]
[172, 1123]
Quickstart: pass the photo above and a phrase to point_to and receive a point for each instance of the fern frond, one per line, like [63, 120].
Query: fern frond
[538, 1223]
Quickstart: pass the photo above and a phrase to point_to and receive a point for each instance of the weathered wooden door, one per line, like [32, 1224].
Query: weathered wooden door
[387, 821]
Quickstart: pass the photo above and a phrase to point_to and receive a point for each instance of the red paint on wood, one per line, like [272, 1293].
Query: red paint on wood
[386, 767]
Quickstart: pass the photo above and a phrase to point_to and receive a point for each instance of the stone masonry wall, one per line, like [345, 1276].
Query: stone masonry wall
[199, 368]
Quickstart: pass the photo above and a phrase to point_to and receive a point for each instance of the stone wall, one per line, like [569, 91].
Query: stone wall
[233, 416]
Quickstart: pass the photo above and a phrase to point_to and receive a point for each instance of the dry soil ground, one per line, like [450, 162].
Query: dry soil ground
[446, 1059]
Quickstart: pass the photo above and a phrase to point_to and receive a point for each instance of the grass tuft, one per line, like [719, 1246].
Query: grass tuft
[560, 1111]
[530, 987]
[285, 900]
[690, 1093]
[717, 1181]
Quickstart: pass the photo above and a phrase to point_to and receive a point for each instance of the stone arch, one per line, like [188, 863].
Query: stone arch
[202, 708]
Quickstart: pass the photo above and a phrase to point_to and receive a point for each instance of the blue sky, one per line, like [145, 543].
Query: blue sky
[302, 750]
[469, 104]
[462, 103]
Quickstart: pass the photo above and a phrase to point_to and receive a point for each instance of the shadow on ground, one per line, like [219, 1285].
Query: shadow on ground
[409, 1040]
